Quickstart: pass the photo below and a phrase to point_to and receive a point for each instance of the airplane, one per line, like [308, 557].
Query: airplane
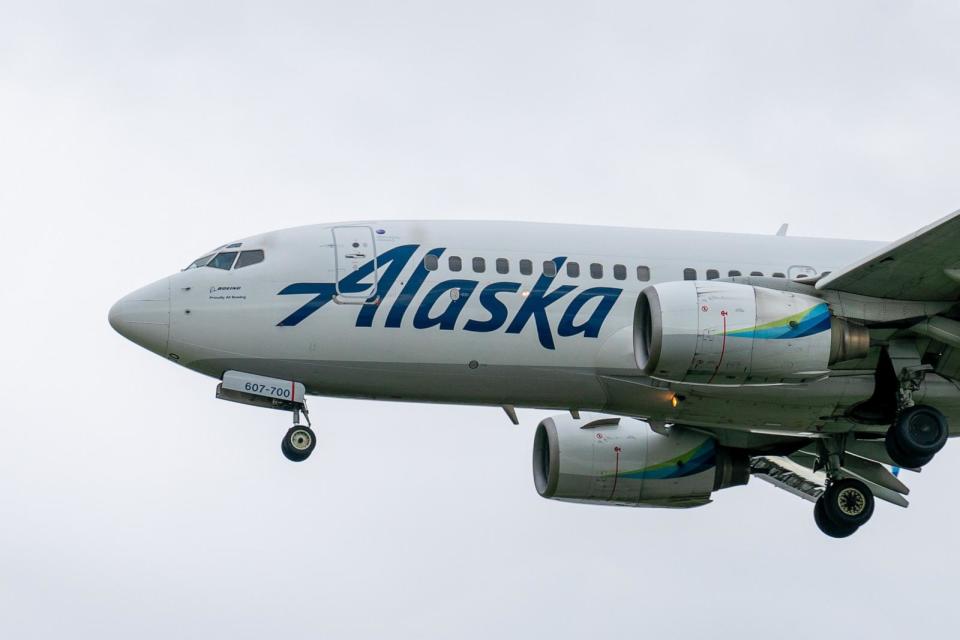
[682, 363]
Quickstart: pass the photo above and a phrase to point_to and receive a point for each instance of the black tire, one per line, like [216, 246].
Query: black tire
[900, 458]
[298, 443]
[848, 502]
[828, 526]
[919, 431]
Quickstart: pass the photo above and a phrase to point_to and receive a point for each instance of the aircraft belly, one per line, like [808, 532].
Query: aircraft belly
[802, 409]
[422, 382]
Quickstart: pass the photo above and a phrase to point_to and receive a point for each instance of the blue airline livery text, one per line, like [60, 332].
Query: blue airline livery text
[392, 262]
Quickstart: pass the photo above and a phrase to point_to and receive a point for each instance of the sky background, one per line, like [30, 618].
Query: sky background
[136, 135]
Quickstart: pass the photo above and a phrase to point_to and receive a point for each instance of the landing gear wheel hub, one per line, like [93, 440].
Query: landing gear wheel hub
[851, 501]
[848, 503]
[924, 429]
[298, 443]
[301, 440]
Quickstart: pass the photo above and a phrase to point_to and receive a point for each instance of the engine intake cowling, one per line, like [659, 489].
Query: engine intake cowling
[726, 333]
[608, 460]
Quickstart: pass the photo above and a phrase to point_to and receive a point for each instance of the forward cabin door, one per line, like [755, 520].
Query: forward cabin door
[354, 247]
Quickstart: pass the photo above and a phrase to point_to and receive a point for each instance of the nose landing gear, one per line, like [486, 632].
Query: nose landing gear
[273, 393]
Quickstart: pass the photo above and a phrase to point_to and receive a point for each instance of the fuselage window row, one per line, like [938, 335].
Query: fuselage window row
[479, 265]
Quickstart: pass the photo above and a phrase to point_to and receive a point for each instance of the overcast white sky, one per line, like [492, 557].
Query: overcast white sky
[134, 136]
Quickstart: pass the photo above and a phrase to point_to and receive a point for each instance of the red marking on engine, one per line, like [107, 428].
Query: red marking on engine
[723, 346]
[616, 472]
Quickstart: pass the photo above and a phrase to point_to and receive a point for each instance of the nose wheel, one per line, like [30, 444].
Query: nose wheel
[300, 440]
[298, 443]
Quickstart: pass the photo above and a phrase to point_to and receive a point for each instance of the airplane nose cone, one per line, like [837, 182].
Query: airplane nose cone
[144, 316]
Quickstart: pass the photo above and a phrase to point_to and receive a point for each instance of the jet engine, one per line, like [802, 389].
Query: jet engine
[726, 333]
[599, 459]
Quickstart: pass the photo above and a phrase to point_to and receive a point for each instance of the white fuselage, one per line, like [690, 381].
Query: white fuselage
[495, 331]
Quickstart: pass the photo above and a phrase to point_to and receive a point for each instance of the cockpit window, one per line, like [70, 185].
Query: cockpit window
[249, 257]
[199, 262]
[223, 260]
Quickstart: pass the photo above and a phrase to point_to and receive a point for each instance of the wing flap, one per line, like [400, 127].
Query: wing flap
[874, 472]
[784, 473]
[881, 492]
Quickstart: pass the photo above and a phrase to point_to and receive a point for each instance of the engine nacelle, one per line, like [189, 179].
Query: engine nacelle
[601, 459]
[715, 332]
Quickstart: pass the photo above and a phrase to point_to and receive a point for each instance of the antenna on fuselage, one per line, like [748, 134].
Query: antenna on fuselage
[782, 231]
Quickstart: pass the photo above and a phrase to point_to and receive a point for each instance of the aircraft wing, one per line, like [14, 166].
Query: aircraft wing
[923, 266]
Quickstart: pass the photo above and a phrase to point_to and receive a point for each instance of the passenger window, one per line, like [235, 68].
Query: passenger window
[573, 269]
[689, 274]
[503, 265]
[526, 267]
[777, 274]
[549, 268]
[596, 271]
[733, 273]
[455, 263]
[712, 274]
[756, 273]
[248, 258]
[619, 272]
[223, 260]
[643, 274]
[479, 265]
[431, 262]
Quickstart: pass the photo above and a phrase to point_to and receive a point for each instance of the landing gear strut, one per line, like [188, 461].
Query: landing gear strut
[274, 393]
[300, 440]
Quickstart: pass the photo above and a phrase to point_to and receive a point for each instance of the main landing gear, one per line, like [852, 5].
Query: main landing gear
[918, 432]
[847, 503]
[844, 507]
[916, 435]
[300, 440]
